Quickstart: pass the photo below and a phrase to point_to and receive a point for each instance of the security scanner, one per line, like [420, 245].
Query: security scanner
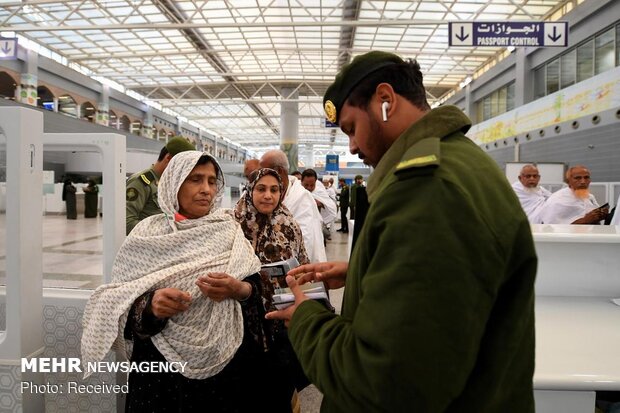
[577, 319]
[46, 322]
[21, 138]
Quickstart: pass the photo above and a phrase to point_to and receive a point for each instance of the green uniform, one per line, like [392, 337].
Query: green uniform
[354, 187]
[141, 197]
[344, 198]
[438, 311]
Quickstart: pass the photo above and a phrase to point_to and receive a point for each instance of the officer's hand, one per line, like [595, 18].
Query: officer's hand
[333, 273]
[167, 302]
[288, 312]
[219, 286]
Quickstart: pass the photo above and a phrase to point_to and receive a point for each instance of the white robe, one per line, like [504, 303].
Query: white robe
[329, 210]
[532, 202]
[300, 202]
[615, 220]
[332, 192]
[563, 207]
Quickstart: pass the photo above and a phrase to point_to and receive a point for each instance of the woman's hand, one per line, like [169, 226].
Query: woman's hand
[167, 302]
[220, 286]
[333, 273]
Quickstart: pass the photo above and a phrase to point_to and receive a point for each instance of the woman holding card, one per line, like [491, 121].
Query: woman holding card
[186, 290]
[275, 236]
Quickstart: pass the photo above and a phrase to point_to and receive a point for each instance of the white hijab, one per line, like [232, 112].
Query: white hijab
[160, 253]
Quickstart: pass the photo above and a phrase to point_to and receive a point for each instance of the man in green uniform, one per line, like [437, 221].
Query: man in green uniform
[438, 312]
[356, 184]
[344, 206]
[141, 187]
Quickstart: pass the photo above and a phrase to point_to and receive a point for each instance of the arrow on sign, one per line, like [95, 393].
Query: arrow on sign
[6, 48]
[463, 36]
[554, 36]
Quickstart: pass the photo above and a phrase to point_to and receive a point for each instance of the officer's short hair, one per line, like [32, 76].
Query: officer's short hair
[405, 78]
[162, 153]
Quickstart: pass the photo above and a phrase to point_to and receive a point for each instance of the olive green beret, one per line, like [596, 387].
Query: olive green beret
[350, 76]
[179, 144]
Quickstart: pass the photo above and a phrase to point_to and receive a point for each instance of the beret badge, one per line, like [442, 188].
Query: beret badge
[330, 111]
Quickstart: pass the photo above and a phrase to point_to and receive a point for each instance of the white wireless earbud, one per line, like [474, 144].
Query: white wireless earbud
[384, 107]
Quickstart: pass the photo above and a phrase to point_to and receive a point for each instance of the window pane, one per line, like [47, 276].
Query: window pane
[510, 97]
[617, 47]
[480, 111]
[486, 113]
[568, 69]
[502, 100]
[585, 68]
[605, 56]
[494, 104]
[553, 76]
[540, 87]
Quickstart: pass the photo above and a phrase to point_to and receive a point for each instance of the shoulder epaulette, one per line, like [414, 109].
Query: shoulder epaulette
[147, 177]
[422, 155]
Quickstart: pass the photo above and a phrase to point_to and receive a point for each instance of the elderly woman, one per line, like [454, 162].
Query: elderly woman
[275, 236]
[185, 288]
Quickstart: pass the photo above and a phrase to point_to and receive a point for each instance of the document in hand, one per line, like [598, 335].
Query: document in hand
[283, 296]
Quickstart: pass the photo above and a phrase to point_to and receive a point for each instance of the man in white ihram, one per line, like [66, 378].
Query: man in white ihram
[327, 205]
[301, 204]
[531, 196]
[574, 204]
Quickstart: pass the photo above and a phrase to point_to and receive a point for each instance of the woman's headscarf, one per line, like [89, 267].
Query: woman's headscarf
[274, 237]
[161, 252]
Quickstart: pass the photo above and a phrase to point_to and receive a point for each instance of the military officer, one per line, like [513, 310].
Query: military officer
[141, 188]
[359, 179]
[438, 314]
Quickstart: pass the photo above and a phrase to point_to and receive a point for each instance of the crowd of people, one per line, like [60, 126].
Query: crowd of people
[573, 204]
[438, 313]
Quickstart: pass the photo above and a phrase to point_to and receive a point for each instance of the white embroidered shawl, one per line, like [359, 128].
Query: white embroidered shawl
[159, 253]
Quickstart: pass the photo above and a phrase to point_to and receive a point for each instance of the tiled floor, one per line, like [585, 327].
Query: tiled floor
[72, 258]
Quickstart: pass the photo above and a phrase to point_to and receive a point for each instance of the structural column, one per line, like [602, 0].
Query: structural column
[469, 103]
[289, 127]
[147, 123]
[28, 83]
[524, 88]
[103, 117]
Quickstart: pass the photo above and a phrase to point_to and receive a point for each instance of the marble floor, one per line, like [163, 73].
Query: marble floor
[72, 258]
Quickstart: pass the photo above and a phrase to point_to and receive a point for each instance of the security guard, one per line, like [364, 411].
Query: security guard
[438, 314]
[141, 188]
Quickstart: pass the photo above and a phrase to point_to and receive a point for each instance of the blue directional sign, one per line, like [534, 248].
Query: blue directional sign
[8, 48]
[505, 34]
[331, 163]
[329, 124]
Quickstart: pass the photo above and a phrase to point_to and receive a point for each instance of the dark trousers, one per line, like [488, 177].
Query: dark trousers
[344, 222]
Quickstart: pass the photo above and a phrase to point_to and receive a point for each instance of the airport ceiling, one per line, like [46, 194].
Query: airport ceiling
[228, 64]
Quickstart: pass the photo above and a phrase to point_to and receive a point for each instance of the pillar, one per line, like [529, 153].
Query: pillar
[103, 107]
[28, 82]
[289, 127]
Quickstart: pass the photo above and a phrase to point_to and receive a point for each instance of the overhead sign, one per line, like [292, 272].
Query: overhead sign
[505, 34]
[331, 163]
[8, 48]
[328, 124]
